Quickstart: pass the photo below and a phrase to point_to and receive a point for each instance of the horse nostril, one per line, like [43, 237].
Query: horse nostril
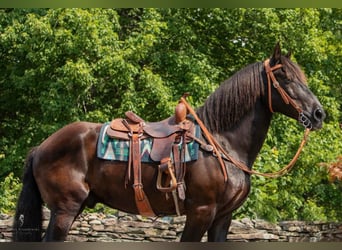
[319, 114]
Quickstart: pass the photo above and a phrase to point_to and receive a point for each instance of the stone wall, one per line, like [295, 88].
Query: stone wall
[124, 227]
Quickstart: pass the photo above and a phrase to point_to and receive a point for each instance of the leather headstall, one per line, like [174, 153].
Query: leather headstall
[271, 79]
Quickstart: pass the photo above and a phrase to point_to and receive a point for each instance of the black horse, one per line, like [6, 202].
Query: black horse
[64, 173]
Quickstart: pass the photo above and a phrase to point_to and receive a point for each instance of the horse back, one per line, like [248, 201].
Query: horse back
[68, 135]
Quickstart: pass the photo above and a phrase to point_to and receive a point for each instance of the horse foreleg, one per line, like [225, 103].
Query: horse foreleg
[219, 228]
[198, 220]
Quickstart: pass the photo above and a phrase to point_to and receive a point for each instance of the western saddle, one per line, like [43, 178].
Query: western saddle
[169, 137]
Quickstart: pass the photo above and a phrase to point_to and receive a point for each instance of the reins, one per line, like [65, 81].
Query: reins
[221, 154]
[276, 174]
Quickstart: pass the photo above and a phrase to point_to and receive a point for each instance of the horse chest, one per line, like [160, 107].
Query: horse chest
[236, 189]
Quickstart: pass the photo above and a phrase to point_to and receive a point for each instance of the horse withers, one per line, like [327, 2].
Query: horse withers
[65, 173]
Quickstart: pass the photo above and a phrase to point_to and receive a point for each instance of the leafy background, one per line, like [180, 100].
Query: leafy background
[63, 65]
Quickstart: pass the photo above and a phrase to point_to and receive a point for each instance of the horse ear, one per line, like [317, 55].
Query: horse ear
[277, 53]
[288, 55]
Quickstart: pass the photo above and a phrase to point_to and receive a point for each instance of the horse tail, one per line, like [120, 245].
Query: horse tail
[27, 224]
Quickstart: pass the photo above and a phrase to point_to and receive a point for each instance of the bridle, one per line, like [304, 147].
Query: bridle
[272, 81]
[222, 154]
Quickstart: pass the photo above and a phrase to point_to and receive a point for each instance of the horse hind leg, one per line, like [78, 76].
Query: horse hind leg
[64, 213]
[59, 226]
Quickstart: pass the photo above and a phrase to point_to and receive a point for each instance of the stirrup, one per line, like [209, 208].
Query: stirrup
[169, 170]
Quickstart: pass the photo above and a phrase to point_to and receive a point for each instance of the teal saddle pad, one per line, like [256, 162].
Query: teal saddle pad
[118, 150]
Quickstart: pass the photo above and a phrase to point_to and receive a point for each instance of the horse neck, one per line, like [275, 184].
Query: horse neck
[237, 114]
[245, 139]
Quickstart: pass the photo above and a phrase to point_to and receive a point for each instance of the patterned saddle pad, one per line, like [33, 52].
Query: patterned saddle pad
[118, 150]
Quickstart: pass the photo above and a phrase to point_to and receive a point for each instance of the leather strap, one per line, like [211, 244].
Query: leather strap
[141, 200]
[271, 79]
[179, 170]
[129, 168]
[208, 136]
[276, 174]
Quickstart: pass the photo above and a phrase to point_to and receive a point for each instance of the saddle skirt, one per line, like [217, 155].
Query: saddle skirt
[117, 149]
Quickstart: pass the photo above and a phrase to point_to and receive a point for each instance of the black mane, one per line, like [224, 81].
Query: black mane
[233, 99]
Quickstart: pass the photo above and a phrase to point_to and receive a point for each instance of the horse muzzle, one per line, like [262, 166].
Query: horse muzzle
[313, 121]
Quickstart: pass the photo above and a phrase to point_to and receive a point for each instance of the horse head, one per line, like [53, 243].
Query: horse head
[288, 92]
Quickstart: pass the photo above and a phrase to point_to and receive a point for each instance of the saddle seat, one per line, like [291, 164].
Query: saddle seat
[120, 128]
[160, 129]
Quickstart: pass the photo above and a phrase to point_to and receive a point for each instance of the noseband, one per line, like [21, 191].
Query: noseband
[302, 118]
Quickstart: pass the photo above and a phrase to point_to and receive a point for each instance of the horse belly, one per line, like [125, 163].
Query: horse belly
[108, 186]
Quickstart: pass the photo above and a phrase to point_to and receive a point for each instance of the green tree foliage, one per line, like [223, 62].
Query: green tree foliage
[9, 190]
[64, 65]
